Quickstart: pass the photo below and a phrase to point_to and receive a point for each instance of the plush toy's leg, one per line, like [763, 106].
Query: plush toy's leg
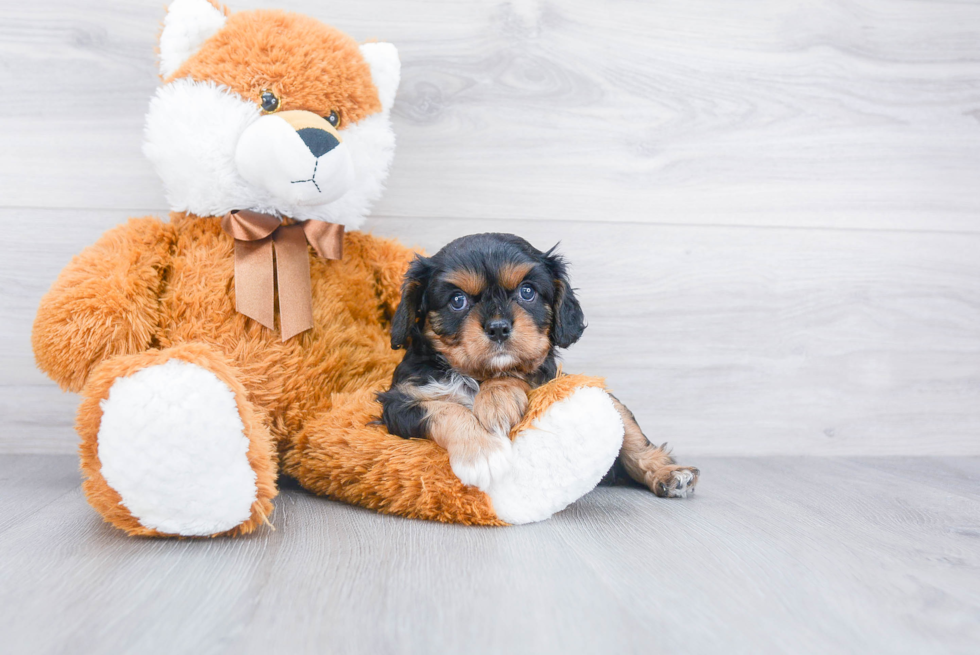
[346, 455]
[172, 447]
[568, 439]
[566, 442]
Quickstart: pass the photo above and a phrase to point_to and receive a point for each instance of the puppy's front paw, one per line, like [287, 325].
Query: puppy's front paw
[478, 467]
[500, 404]
[673, 481]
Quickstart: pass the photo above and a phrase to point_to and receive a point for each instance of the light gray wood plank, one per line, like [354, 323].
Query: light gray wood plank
[383, 566]
[855, 114]
[722, 340]
[773, 555]
[870, 561]
[38, 418]
[30, 482]
[952, 474]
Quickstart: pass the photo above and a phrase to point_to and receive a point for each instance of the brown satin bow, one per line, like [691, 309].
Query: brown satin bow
[257, 236]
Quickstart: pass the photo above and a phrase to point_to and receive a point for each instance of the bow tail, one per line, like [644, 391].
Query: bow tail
[254, 281]
[295, 289]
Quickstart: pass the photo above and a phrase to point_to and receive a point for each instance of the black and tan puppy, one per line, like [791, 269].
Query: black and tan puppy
[481, 322]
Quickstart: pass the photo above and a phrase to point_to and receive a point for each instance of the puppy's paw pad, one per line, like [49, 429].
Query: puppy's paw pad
[676, 482]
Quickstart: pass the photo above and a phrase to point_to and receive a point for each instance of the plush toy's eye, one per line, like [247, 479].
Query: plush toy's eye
[333, 118]
[527, 292]
[458, 302]
[269, 101]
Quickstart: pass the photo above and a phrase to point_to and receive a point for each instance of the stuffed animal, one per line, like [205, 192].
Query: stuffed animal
[249, 335]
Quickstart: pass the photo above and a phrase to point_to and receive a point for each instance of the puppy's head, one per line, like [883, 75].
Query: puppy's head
[490, 304]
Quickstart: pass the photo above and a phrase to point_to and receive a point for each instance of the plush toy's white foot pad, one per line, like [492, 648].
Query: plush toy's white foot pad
[172, 444]
[560, 458]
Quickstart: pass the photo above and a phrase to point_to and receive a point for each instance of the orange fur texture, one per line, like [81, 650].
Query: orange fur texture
[106, 302]
[343, 455]
[318, 69]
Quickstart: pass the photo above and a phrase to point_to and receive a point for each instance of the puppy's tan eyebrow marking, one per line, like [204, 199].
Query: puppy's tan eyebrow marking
[510, 274]
[472, 282]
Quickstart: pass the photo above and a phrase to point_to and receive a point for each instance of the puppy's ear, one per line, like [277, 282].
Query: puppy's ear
[406, 317]
[568, 322]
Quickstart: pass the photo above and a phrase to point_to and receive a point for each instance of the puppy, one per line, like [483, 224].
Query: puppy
[481, 322]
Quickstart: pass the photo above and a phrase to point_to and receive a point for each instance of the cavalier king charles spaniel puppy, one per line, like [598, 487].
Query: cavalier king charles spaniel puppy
[481, 322]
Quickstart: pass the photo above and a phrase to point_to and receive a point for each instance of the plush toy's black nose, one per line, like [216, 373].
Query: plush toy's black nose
[498, 330]
[320, 142]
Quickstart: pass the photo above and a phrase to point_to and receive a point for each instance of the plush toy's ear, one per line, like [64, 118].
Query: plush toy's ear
[568, 322]
[187, 25]
[404, 324]
[385, 70]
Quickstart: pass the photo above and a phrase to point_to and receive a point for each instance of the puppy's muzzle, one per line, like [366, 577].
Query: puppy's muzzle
[297, 157]
[498, 330]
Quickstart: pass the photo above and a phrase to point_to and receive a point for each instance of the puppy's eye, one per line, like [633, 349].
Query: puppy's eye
[269, 101]
[458, 302]
[333, 118]
[527, 293]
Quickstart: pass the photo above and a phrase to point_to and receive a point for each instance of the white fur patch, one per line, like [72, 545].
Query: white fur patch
[560, 458]
[385, 70]
[188, 24]
[371, 143]
[502, 361]
[456, 388]
[191, 137]
[271, 155]
[172, 444]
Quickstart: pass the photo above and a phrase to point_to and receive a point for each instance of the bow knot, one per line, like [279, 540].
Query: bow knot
[263, 243]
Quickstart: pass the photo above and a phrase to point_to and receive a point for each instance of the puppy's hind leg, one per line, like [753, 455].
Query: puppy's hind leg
[651, 465]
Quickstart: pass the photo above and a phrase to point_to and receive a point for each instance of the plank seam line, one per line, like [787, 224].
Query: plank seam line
[654, 223]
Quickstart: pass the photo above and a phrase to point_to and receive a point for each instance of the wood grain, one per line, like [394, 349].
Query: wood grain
[721, 340]
[770, 209]
[773, 555]
[849, 114]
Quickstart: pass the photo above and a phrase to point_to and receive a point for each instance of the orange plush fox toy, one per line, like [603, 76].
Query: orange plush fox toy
[204, 373]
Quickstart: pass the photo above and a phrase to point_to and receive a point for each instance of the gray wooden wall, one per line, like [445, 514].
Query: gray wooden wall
[772, 208]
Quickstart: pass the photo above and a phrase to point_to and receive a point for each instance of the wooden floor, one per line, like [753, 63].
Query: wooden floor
[787, 555]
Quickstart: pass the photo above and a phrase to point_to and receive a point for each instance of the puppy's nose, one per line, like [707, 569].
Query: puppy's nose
[320, 142]
[498, 330]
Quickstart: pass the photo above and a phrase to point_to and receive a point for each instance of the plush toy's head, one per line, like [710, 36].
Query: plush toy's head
[270, 111]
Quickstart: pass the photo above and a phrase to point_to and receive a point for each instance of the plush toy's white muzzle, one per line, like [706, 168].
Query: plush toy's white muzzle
[297, 157]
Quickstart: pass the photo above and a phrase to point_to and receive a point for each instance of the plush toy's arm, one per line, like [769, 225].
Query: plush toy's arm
[104, 303]
[388, 260]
